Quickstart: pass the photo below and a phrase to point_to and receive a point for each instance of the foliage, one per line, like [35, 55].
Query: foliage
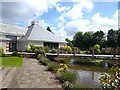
[68, 76]
[67, 85]
[45, 61]
[15, 53]
[20, 54]
[76, 50]
[97, 48]
[63, 68]
[39, 50]
[53, 51]
[46, 49]
[1, 51]
[63, 60]
[89, 62]
[28, 49]
[39, 56]
[111, 81]
[52, 66]
[69, 42]
[80, 86]
[67, 49]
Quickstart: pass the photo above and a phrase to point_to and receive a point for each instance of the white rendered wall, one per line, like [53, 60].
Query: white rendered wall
[21, 45]
[61, 44]
[3, 45]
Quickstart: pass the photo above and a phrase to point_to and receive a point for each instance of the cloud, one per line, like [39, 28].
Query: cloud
[61, 8]
[77, 10]
[96, 23]
[25, 12]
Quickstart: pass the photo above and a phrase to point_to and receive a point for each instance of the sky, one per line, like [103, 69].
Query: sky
[64, 17]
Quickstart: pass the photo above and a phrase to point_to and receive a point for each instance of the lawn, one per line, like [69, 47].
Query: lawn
[11, 61]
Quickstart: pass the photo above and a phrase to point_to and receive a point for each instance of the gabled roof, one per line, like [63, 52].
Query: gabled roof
[37, 33]
[8, 29]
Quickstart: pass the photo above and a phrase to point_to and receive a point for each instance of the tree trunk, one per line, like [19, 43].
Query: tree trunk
[93, 52]
[114, 52]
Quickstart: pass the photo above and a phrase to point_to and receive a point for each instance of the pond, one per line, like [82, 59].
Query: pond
[89, 74]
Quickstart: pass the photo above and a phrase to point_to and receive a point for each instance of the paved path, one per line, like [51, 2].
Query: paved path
[34, 75]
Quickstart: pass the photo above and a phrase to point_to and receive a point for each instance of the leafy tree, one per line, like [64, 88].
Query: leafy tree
[77, 40]
[48, 28]
[112, 39]
[69, 42]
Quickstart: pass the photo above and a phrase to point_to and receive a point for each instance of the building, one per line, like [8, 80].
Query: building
[18, 38]
[9, 34]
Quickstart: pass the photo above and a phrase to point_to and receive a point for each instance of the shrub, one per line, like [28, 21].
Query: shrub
[67, 85]
[20, 54]
[1, 51]
[45, 61]
[111, 81]
[46, 49]
[53, 51]
[68, 76]
[97, 48]
[28, 49]
[39, 56]
[15, 53]
[80, 86]
[52, 66]
[39, 50]
[68, 49]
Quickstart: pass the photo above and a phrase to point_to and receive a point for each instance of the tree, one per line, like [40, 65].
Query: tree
[112, 39]
[69, 42]
[77, 40]
[48, 28]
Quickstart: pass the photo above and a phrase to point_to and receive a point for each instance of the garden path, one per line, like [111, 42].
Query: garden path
[34, 75]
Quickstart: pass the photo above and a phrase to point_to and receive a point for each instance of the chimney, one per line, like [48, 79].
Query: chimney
[34, 23]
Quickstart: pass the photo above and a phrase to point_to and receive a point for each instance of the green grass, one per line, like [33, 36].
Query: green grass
[11, 61]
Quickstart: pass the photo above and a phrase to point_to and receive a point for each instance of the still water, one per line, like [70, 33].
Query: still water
[89, 74]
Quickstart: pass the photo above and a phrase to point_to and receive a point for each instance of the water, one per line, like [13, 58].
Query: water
[90, 74]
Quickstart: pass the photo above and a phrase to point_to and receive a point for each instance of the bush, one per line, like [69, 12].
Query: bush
[15, 53]
[20, 54]
[97, 48]
[53, 66]
[28, 49]
[46, 49]
[53, 51]
[68, 49]
[39, 56]
[45, 61]
[67, 85]
[68, 76]
[80, 86]
[1, 52]
[111, 81]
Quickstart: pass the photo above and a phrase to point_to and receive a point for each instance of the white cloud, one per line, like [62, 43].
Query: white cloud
[77, 10]
[17, 12]
[96, 23]
[61, 8]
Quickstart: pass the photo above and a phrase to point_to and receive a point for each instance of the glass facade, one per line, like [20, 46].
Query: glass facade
[51, 45]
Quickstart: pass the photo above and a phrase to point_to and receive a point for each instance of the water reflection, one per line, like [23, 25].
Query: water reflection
[90, 78]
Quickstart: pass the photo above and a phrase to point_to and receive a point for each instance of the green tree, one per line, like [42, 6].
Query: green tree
[78, 40]
[112, 39]
[69, 42]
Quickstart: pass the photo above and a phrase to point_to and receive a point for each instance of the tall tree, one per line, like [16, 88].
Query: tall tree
[69, 42]
[48, 28]
[77, 40]
[112, 39]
